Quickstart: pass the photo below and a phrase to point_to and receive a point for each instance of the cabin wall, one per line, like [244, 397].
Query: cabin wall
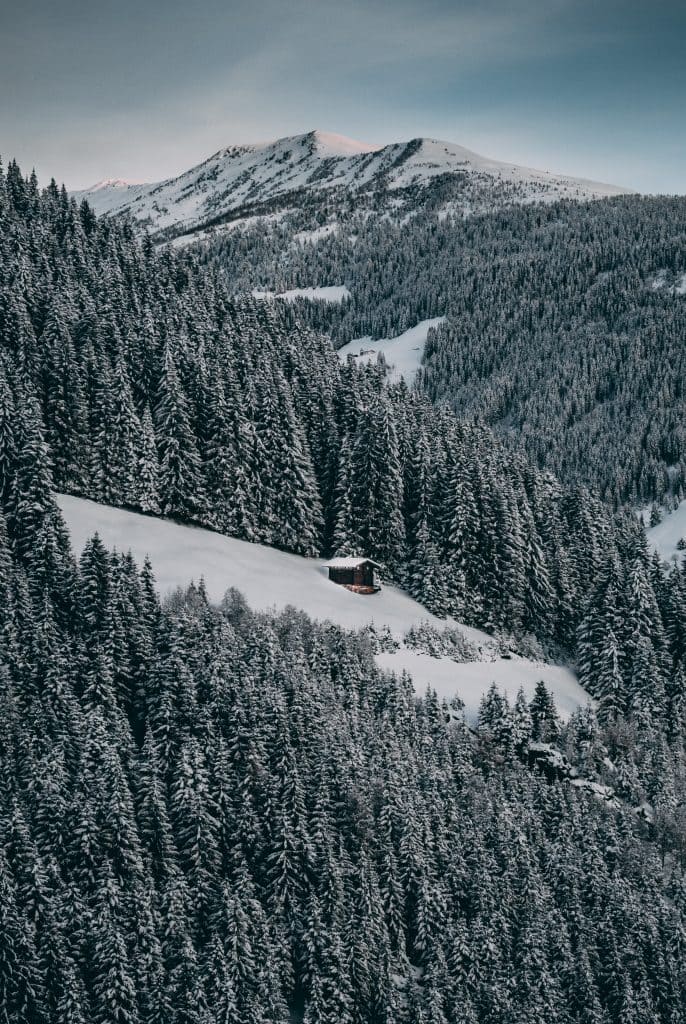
[342, 576]
[364, 577]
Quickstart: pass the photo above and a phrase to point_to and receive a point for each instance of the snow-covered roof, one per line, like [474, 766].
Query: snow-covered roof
[350, 562]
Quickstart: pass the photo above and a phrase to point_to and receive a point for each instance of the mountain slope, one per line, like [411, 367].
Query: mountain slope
[182, 402]
[271, 579]
[290, 172]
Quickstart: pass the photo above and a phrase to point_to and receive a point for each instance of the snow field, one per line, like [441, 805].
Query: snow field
[662, 278]
[272, 579]
[317, 234]
[665, 536]
[471, 680]
[324, 293]
[403, 353]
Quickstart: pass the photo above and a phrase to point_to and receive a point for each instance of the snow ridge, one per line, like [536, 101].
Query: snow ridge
[265, 175]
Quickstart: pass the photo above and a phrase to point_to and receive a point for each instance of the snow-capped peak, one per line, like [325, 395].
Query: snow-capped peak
[112, 183]
[328, 144]
[240, 181]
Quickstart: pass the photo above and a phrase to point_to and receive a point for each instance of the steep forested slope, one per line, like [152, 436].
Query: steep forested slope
[212, 815]
[209, 815]
[155, 390]
[565, 324]
[463, 661]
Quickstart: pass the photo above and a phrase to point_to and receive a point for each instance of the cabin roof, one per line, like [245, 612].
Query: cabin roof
[350, 562]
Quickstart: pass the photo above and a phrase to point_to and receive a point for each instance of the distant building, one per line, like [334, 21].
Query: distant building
[358, 574]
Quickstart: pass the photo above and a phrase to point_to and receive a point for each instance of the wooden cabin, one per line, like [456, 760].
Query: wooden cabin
[360, 575]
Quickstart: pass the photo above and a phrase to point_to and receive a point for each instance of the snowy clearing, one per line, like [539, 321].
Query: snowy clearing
[267, 577]
[403, 354]
[665, 535]
[322, 293]
[274, 579]
[317, 234]
[471, 680]
[663, 278]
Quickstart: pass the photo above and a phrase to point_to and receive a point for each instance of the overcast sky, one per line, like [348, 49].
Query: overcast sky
[143, 89]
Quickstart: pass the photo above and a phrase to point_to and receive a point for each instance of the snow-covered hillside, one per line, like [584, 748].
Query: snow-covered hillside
[274, 579]
[402, 353]
[284, 173]
[470, 680]
[666, 535]
[322, 293]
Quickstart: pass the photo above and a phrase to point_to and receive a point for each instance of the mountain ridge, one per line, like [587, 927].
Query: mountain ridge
[293, 171]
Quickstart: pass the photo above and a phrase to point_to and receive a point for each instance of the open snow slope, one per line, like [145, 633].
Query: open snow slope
[322, 293]
[274, 579]
[261, 178]
[471, 680]
[403, 353]
[267, 577]
[665, 536]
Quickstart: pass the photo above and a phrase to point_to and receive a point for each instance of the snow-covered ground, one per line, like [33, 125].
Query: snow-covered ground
[665, 535]
[274, 579]
[434, 157]
[324, 293]
[239, 224]
[665, 279]
[317, 234]
[471, 680]
[267, 577]
[403, 353]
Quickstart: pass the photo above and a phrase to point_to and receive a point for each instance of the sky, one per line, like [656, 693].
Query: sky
[144, 89]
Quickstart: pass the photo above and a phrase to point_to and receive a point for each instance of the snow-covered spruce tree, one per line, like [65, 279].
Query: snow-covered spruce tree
[180, 474]
[147, 477]
[296, 510]
[63, 400]
[346, 539]
[376, 485]
[126, 441]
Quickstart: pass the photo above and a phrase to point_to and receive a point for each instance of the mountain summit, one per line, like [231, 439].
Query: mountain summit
[293, 171]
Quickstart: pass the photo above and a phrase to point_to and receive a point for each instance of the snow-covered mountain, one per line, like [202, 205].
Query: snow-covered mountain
[292, 172]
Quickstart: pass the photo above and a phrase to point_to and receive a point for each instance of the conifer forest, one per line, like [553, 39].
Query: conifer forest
[212, 814]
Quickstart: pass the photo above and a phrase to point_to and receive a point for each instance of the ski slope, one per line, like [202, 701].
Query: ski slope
[403, 353]
[272, 579]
